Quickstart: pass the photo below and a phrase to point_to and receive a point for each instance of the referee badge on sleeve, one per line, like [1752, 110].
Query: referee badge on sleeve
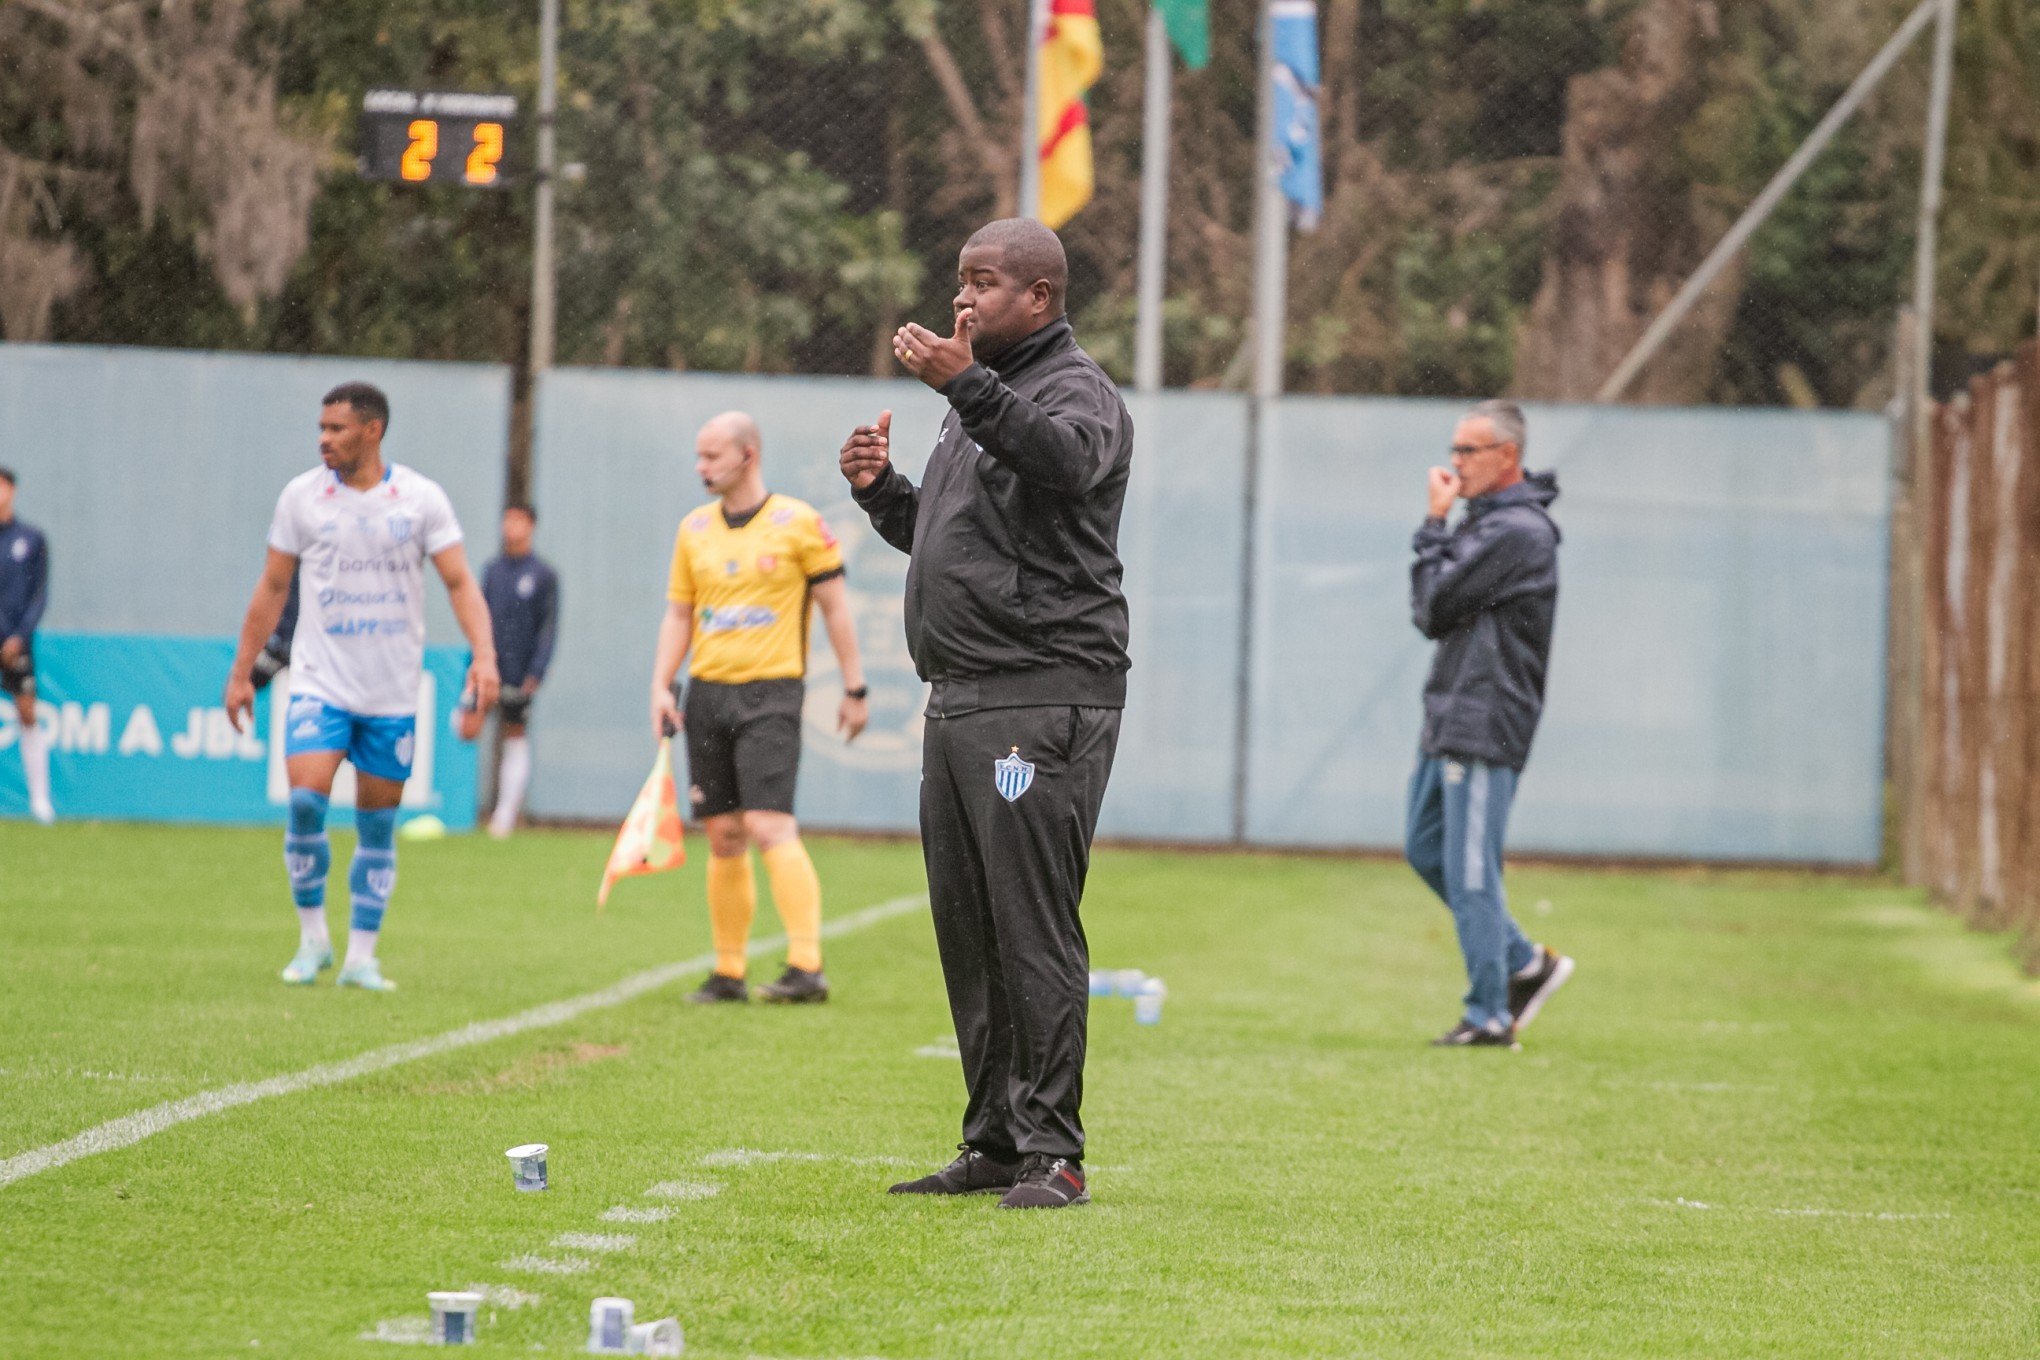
[1013, 775]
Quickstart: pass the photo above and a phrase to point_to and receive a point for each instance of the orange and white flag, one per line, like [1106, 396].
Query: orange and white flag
[1072, 57]
[651, 838]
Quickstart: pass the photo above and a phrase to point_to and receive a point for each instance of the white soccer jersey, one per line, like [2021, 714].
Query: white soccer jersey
[360, 640]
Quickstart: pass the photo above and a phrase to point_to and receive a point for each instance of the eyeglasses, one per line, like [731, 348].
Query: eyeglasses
[1468, 450]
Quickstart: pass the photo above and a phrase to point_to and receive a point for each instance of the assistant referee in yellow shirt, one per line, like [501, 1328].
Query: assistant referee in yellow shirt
[746, 569]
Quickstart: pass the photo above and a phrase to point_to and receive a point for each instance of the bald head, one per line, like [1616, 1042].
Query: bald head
[726, 456]
[1029, 252]
[1010, 278]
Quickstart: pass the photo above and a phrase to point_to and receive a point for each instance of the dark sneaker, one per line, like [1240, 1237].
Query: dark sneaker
[720, 987]
[1047, 1183]
[1528, 993]
[1466, 1034]
[796, 985]
[972, 1173]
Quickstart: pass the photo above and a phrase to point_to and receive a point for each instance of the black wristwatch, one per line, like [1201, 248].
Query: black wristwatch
[861, 692]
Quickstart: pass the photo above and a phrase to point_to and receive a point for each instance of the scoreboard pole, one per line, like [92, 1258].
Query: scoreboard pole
[542, 241]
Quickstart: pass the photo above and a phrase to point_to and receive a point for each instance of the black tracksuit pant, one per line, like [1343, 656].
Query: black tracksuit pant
[1005, 876]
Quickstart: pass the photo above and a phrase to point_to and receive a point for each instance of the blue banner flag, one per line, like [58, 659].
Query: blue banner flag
[136, 733]
[1296, 109]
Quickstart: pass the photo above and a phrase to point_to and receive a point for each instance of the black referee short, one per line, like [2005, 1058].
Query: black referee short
[743, 745]
[18, 677]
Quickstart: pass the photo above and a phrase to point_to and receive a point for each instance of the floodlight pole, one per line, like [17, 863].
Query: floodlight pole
[1926, 241]
[1030, 113]
[542, 267]
[1154, 207]
[1754, 216]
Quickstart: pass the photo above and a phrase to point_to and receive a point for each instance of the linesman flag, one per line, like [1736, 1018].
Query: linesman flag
[651, 839]
[1072, 56]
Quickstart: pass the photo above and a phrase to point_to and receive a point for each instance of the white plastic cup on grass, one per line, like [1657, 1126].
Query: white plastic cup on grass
[453, 1317]
[657, 1338]
[609, 1326]
[527, 1166]
[1147, 1005]
[1128, 982]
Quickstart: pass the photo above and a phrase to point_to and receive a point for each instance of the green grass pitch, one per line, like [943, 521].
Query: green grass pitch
[1773, 1115]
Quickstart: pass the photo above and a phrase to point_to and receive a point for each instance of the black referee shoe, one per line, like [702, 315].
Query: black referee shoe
[1466, 1034]
[1528, 993]
[1047, 1183]
[972, 1173]
[796, 985]
[720, 987]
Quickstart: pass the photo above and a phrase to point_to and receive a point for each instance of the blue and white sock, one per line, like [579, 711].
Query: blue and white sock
[307, 855]
[371, 879]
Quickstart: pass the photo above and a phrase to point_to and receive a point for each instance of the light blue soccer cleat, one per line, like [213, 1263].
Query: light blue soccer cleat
[366, 975]
[311, 960]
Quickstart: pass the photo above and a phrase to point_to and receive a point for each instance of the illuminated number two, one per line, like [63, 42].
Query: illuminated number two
[417, 163]
[481, 162]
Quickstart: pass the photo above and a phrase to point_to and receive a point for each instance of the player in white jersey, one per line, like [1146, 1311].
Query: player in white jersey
[358, 531]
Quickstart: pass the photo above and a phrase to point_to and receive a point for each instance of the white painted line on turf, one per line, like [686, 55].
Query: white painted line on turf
[403, 1331]
[598, 1242]
[683, 1190]
[133, 1128]
[941, 1048]
[624, 1213]
[1879, 1217]
[752, 1157]
[547, 1265]
[506, 1296]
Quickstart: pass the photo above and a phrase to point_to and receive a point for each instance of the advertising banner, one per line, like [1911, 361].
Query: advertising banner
[137, 733]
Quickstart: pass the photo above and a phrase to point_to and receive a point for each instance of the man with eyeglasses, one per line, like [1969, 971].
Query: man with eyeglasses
[1486, 591]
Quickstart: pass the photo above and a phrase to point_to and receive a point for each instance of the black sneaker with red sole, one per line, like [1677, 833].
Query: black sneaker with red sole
[972, 1173]
[1047, 1183]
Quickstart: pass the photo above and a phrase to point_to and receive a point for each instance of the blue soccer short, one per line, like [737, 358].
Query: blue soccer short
[381, 747]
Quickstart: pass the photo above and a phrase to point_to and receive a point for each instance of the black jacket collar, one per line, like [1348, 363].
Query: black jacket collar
[1050, 339]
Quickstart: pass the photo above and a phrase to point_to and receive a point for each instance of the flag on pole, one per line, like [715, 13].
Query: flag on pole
[1189, 25]
[1297, 147]
[651, 839]
[1072, 54]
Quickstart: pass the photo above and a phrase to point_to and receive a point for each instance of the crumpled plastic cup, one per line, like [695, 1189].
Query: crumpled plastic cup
[453, 1317]
[657, 1338]
[527, 1166]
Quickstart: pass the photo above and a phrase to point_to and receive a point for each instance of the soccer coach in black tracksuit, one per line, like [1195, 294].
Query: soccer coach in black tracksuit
[1015, 617]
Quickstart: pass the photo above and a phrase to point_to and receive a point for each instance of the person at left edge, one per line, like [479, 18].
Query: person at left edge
[746, 568]
[24, 590]
[360, 531]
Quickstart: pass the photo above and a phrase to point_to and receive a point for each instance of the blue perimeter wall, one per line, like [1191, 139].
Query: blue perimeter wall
[1717, 682]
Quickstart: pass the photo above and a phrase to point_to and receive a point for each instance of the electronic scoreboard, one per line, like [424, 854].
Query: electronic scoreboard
[425, 137]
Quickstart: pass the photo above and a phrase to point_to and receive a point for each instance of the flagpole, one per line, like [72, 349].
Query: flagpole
[1271, 227]
[1030, 113]
[1154, 206]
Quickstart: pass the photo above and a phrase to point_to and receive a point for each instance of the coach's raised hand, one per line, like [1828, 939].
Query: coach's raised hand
[867, 453]
[933, 359]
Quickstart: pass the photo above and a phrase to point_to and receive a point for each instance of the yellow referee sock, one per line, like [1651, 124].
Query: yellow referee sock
[797, 892]
[732, 901]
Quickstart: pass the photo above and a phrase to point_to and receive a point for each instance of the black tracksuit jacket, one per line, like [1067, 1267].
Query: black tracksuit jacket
[1486, 591]
[1013, 589]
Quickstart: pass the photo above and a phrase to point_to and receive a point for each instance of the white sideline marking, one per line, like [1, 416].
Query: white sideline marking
[505, 1296]
[623, 1213]
[130, 1129]
[546, 1265]
[941, 1048]
[595, 1241]
[752, 1157]
[403, 1331]
[1884, 1217]
[684, 1190]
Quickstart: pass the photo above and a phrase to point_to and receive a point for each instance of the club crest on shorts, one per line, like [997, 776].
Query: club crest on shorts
[1013, 775]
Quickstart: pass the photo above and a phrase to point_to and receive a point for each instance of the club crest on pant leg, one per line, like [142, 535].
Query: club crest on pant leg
[1013, 775]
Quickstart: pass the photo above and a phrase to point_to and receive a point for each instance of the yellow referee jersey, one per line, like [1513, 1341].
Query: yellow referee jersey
[748, 583]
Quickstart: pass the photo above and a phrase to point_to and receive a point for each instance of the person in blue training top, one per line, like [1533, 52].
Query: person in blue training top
[1486, 591]
[360, 531]
[24, 590]
[523, 592]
